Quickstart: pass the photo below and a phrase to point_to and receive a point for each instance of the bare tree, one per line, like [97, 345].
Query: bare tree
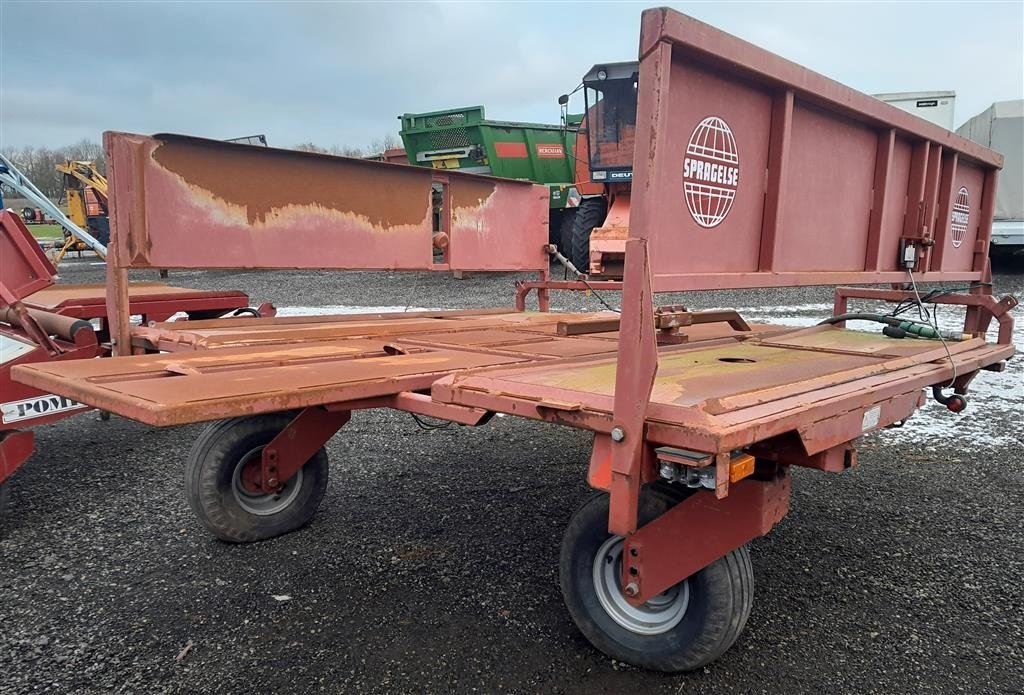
[388, 142]
[39, 164]
[339, 150]
[377, 147]
[310, 147]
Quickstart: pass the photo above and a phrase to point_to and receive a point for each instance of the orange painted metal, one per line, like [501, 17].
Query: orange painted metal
[750, 172]
[176, 336]
[182, 202]
[753, 171]
[291, 448]
[608, 242]
[652, 562]
[186, 202]
[183, 389]
[267, 365]
[153, 301]
[718, 396]
[812, 144]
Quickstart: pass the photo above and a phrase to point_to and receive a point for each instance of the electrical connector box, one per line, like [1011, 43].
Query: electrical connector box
[908, 254]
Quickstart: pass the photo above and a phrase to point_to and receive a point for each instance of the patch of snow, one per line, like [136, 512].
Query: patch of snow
[995, 411]
[345, 309]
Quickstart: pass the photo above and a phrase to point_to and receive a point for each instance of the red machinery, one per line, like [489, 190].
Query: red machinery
[605, 141]
[743, 162]
[43, 322]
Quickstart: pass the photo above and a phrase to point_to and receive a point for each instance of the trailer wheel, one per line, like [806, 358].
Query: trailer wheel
[565, 233]
[5, 496]
[682, 629]
[224, 506]
[589, 214]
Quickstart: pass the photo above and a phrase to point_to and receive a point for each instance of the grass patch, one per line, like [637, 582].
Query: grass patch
[46, 231]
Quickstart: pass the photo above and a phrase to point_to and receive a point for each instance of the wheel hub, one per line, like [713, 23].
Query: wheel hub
[247, 492]
[660, 614]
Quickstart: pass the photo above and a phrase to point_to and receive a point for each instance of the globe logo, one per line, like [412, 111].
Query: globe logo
[711, 172]
[961, 215]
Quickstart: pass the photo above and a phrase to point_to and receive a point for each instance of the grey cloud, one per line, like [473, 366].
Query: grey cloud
[339, 73]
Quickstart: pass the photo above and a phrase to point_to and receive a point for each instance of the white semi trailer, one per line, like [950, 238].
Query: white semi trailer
[936, 107]
[1001, 128]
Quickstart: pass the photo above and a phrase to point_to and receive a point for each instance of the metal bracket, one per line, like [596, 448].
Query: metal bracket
[697, 532]
[295, 444]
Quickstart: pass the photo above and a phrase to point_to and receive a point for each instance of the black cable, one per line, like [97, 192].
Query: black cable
[429, 426]
[569, 267]
[935, 323]
[599, 298]
[931, 296]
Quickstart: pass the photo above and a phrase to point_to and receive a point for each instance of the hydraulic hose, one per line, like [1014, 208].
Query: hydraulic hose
[911, 328]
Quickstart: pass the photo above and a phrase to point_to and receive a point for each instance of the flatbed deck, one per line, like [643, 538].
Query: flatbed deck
[721, 389]
[272, 364]
[155, 301]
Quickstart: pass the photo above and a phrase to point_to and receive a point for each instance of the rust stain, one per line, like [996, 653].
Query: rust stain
[471, 193]
[267, 182]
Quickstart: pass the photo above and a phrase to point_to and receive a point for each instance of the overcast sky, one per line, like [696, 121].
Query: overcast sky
[339, 73]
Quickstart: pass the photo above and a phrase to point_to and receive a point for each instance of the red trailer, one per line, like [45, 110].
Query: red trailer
[751, 171]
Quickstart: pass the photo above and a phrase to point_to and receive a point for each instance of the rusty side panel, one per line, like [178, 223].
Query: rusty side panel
[271, 186]
[496, 227]
[182, 202]
[758, 172]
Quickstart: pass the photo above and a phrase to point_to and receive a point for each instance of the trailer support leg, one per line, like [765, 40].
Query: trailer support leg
[15, 448]
[638, 346]
[295, 444]
[698, 531]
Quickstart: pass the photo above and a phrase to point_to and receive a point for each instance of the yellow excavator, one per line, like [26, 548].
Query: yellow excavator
[86, 190]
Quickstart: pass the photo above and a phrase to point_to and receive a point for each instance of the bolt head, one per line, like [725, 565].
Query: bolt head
[632, 589]
[618, 434]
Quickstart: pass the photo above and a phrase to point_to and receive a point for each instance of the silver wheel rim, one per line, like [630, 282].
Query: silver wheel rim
[261, 504]
[659, 615]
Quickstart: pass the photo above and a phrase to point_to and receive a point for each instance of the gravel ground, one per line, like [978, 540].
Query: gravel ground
[431, 566]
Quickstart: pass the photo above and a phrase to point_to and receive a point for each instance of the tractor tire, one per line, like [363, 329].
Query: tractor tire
[565, 232]
[682, 629]
[589, 215]
[220, 501]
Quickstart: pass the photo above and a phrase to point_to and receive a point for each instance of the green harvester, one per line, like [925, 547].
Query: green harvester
[463, 140]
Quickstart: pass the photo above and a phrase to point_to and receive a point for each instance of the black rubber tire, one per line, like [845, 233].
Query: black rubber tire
[589, 214]
[720, 595]
[5, 498]
[209, 480]
[565, 232]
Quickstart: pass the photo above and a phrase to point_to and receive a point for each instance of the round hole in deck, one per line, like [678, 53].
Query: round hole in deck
[737, 360]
